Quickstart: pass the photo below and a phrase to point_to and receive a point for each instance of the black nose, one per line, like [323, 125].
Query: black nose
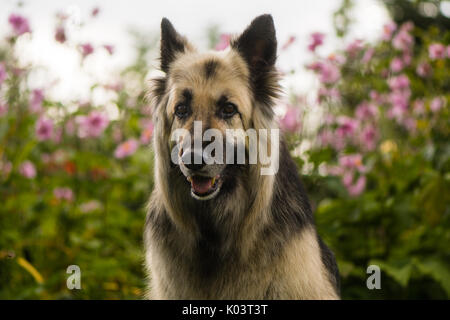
[193, 159]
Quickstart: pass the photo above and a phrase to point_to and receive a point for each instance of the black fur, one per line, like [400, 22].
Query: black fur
[171, 44]
[210, 68]
[258, 46]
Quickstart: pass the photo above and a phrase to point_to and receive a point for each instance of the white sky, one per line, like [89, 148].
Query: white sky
[191, 18]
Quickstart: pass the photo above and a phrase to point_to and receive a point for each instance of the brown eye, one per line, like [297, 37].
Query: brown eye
[228, 110]
[182, 111]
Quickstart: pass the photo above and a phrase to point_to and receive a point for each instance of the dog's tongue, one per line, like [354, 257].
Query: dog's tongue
[202, 185]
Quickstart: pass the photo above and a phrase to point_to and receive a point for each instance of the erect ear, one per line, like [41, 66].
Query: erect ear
[258, 46]
[171, 44]
[258, 43]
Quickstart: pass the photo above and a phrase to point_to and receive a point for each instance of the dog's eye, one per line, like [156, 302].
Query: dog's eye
[228, 110]
[181, 111]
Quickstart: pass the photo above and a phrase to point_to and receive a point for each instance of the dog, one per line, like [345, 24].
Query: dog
[226, 230]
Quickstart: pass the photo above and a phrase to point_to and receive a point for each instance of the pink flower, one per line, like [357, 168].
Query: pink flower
[110, 48]
[354, 47]
[368, 55]
[60, 34]
[436, 51]
[399, 100]
[291, 120]
[346, 127]
[316, 40]
[37, 96]
[224, 42]
[388, 30]
[365, 111]
[86, 49]
[147, 133]
[329, 73]
[126, 148]
[403, 40]
[90, 206]
[396, 65]
[324, 92]
[352, 161]
[436, 104]
[3, 109]
[448, 51]
[288, 43]
[399, 82]
[44, 128]
[27, 169]
[19, 24]
[358, 187]
[369, 137]
[95, 11]
[418, 107]
[92, 125]
[63, 194]
[3, 73]
[424, 69]
[5, 167]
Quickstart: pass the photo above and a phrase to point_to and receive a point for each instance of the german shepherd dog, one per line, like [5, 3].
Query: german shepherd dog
[226, 231]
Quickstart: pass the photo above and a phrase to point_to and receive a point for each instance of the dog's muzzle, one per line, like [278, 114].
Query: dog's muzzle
[204, 177]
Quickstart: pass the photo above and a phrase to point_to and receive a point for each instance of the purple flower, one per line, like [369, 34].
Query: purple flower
[126, 148]
[436, 51]
[86, 49]
[291, 120]
[44, 128]
[27, 169]
[351, 162]
[37, 96]
[396, 64]
[64, 193]
[424, 69]
[3, 73]
[92, 125]
[316, 40]
[95, 11]
[19, 24]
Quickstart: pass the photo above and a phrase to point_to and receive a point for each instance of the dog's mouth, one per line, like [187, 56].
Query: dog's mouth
[204, 188]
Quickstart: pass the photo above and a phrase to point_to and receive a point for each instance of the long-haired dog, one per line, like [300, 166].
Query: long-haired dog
[224, 230]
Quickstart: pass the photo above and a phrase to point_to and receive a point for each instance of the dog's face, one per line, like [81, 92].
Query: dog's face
[208, 94]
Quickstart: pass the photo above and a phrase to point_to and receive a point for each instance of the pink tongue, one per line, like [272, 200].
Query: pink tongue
[201, 185]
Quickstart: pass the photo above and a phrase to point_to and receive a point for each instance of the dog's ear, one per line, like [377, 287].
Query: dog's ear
[171, 44]
[258, 46]
[258, 43]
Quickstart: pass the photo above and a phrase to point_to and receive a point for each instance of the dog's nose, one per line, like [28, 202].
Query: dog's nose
[193, 159]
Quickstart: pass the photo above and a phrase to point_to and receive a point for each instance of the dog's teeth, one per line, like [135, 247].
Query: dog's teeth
[189, 179]
[213, 180]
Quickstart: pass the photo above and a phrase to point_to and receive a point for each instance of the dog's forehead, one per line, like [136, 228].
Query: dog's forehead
[199, 69]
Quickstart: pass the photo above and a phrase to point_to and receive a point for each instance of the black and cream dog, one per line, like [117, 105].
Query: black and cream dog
[226, 231]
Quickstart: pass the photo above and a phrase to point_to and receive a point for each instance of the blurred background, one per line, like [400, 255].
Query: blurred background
[365, 111]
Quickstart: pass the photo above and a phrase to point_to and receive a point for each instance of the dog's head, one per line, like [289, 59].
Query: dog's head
[205, 96]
